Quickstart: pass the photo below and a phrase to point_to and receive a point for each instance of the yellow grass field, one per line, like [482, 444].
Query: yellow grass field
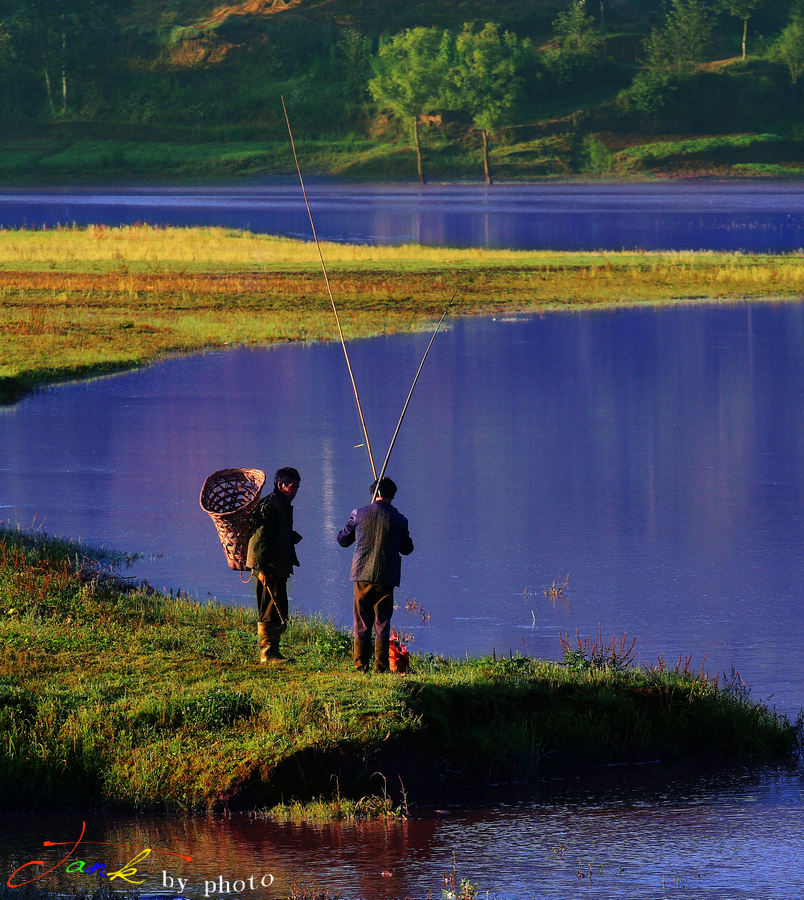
[78, 301]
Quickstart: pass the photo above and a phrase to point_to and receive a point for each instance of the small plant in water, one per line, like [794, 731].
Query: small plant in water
[413, 606]
[376, 806]
[456, 888]
[557, 588]
[299, 890]
[592, 652]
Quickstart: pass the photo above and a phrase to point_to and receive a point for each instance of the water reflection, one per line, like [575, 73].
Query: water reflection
[715, 837]
[763, 217]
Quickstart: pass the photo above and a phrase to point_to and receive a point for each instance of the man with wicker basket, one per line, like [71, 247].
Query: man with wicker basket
[271, 557]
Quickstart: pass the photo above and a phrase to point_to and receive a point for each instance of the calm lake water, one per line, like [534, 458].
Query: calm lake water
[655, 456]
[730, 838]
[749, 216]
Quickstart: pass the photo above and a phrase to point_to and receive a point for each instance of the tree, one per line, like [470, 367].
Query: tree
[485, 79]
[352, 62]
[60, 39]
[410, 72]
[789, 48]
[575, 29]
[741, 9]
[680, 44]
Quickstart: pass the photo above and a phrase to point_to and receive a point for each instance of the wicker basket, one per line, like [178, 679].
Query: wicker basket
[230, 496]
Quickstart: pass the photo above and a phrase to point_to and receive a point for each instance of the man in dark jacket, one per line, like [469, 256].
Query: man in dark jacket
[380, 534]
[272, 556]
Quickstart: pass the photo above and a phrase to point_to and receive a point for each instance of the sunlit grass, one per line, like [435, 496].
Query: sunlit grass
[102, 248]
[660, 150]
[75, 301]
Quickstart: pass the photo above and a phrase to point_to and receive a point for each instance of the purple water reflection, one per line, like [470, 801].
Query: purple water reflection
[735, 838]
[747, 216]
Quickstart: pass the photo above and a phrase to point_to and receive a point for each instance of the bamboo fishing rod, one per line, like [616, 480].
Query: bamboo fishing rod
[410, 393]
[331, 298]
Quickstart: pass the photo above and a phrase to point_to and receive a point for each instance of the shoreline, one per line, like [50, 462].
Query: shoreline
[184, 719]
[73, 151]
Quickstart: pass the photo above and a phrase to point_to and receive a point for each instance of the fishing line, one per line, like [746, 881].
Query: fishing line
[331, 298]
[410, 392]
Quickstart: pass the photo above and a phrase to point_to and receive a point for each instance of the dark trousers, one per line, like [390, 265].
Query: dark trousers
[373, 608]
[272, 603]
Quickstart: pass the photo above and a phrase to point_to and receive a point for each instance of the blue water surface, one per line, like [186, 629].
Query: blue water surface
[744, 216]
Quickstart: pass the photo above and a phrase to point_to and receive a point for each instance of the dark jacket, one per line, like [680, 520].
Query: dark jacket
[379, 533]
[271, 548]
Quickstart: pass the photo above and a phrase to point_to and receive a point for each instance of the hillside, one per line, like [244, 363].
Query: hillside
[160, 90]
[368, 16]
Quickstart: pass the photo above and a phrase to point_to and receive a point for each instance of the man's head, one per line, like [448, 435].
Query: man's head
[386, 489]
[286, 481]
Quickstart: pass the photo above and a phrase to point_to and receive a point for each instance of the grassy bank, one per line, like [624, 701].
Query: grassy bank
[77, 302]
[73, 155]
[111, 693]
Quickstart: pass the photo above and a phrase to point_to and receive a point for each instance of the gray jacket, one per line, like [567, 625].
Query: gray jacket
[380, 534]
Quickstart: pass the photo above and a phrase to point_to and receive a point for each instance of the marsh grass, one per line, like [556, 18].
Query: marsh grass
[116, 693]
[78, 302]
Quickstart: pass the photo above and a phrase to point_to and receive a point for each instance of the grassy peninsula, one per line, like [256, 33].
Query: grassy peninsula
[81, 301]
[115, 693]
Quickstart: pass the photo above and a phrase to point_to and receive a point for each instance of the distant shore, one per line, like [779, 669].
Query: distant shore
[79, 302]
[75, 153]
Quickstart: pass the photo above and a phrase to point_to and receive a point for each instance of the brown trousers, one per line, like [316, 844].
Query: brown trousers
[373, 607]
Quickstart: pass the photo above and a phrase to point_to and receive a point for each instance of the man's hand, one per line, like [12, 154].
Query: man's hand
[261, 577]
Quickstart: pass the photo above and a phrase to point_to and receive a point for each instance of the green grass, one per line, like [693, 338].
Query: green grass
[749, 154]
[119, 694]
[114, 159]
[769, 170]
[660, 150]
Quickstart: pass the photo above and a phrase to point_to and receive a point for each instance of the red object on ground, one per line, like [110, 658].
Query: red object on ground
[398, 656]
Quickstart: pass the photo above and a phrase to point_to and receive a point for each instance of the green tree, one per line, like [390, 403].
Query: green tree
[60, 40]
[742, 10]
[352, 64]
[575, 29]
[789, 48]
[486, 80]
[680, 44]
[410, 72]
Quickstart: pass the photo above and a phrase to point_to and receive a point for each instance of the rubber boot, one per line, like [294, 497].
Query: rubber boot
[381, 648]
[361, 654]
[263, 642]
[273, 653]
